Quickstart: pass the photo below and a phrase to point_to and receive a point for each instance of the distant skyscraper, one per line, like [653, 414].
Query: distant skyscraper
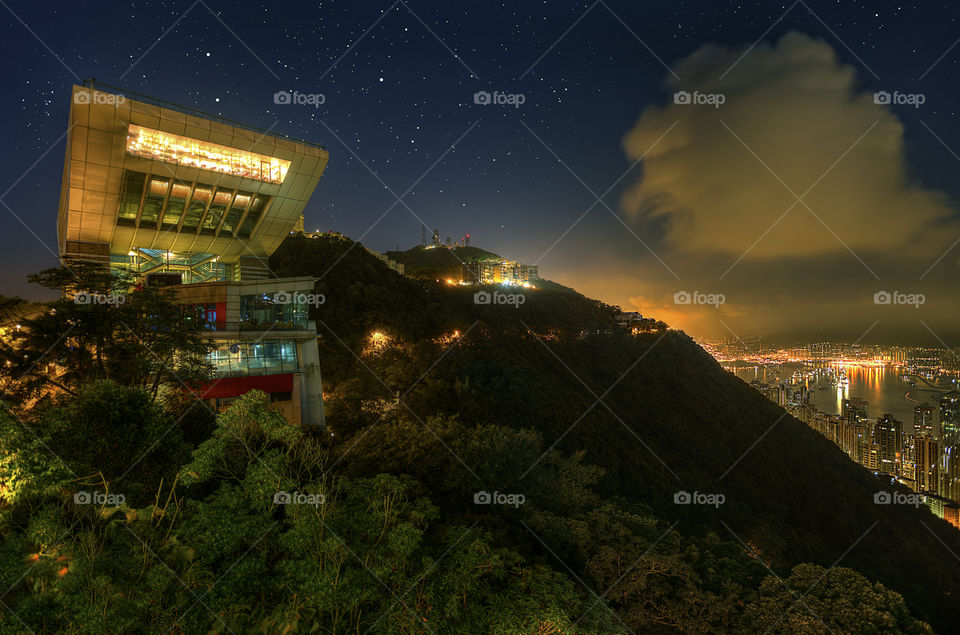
[888, 438]
[950, 442]
[926, 452]
[924, 420]
[855, 436]
[298, 226]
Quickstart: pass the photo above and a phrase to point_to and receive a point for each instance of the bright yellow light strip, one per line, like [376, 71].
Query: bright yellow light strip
[173, 148]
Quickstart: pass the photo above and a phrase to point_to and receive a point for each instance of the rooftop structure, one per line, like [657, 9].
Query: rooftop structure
[159, 188]
[198, 203]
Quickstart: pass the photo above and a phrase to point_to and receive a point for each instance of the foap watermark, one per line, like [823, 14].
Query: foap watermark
[696, 98]
[697, 297]
[98, 98]
[897, 297]
[296, 297]
[287, 98]
[298, 498]
[485, 98]
[98, 498]
[698, 498]
[498, 498]
[112, 299]
[896, 98]
[897, 498]
[485, 297]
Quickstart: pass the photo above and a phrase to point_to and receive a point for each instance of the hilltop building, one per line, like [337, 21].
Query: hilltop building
[198, 203]
[502, 271]
[392, 264]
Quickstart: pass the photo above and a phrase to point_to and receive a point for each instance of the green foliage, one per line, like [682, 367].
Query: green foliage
[370, 555]
[840, 599]
[140, 337]
[248, 524]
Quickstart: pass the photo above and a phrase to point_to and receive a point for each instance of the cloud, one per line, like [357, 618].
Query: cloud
[803, 114]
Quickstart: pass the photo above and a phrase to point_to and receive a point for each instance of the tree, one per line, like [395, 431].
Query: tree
[104, 327]
[839, 598]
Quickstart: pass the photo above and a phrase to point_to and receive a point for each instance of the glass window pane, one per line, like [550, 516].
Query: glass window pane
[178, 199]
[157, 191]
[256, 209]
[198, 203]
[130, 197]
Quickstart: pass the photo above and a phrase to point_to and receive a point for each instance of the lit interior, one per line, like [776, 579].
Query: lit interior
[172, 148]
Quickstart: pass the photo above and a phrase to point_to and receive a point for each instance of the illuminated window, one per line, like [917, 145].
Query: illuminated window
[256, 210]
[236, 212]
[153, 203]
[267, 357]
[220, 201]
[198, 203]
[172, 148]
[178, 199]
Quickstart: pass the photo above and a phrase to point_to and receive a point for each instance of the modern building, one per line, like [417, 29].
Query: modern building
[924, 420]
[855, 433]
[189, 200]
[502, 271]
[926, 458]
[950, 444]
[392, 264]
[888, 441]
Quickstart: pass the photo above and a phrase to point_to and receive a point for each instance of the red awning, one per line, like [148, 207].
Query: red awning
[236, 386]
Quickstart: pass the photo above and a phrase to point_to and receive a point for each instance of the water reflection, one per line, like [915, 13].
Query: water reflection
[882, 386]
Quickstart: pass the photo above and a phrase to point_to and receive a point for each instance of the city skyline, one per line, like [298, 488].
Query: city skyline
[523, 175]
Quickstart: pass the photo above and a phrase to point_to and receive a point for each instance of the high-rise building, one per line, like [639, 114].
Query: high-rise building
[950, 444]
[856, 433]
[924, 420]
[888, 439]
[926, 458]
[198, 203]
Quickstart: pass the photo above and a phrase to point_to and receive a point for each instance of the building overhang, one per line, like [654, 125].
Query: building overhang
[149, 176]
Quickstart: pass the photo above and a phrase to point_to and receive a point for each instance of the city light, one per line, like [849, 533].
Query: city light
[173, 148]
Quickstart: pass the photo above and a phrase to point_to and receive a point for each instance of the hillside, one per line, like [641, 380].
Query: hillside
[488, 467]
[670, 419]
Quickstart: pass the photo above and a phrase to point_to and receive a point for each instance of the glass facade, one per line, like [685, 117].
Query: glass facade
[260, 311]
[192, 267]
[236, 359]
[256, 211]
[130, 196]
[239, 206]
[198, 204]
[183, 206]
[173, 148]
[153, 203]
[176, 203]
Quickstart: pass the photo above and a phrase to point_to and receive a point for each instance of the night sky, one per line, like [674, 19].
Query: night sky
[689, 192]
